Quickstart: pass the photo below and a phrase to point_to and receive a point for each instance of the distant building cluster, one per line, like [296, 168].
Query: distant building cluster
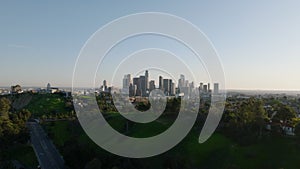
[142, 86]
[52, 89]
[4, 91]
[17, 89]
[105, 88]
[138, 86]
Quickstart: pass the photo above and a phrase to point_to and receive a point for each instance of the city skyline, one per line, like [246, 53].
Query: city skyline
[143, 85]
[257, 44]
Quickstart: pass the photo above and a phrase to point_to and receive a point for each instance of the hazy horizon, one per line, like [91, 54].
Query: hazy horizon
[227, 90]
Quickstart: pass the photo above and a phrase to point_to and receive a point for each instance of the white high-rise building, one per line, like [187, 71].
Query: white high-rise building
[104, 86]
[126, 81]
[181, 81]
[48, 87]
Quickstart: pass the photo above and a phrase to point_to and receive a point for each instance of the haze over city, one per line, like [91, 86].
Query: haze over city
[258, 43]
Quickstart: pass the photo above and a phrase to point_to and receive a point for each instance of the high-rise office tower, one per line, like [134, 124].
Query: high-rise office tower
[172, 90]
[161, 83]
[126, 81]
[216, 88]
[147, 79]
[104, 86]
[131, 90]
[181, 81]
[143, 85]
[205, 89]
[48, 87]
[182, 77]
[170, 87]
[186, 83]
[201, 87]
[191, 89]
[192, 86]
[136, 83]
[134, 87]
[151, 85]
[166, 86]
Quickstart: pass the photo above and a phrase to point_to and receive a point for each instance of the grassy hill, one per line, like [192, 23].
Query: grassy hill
[49, 105]
[218, 152]
[22, 153]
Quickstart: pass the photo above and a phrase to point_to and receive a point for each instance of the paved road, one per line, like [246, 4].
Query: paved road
[48, 156]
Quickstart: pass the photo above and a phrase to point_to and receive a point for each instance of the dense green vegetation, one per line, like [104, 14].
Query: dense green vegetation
[23, 153]
[14, 135]
[241, 140]
[50, 106]
[218, 152]
[59, 132]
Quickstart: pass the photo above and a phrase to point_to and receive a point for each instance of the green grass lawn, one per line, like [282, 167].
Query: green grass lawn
[46, 104]
[59, 131]
[217, 152]
[24, 154]
[276, 152]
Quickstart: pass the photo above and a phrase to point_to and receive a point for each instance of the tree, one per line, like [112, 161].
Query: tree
[245, 120]
[297, 130]
[12, 124]
[24, 114]
[4, 107]
[94, 164]
[284, 112]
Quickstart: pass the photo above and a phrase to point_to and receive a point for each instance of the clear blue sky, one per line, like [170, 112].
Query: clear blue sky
[258, 41]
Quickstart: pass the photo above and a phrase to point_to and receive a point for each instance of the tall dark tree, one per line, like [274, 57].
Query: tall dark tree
[4, 107]
[245, 120]
[284, 112]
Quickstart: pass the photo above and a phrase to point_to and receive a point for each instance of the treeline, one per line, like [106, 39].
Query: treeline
[245, 121]
[12, 126]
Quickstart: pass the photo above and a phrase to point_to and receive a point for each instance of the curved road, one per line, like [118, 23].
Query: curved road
[46, 152]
